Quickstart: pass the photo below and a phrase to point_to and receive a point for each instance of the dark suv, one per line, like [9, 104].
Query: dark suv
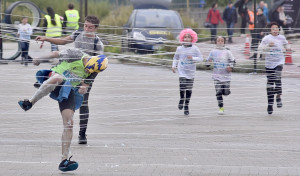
[148, 29]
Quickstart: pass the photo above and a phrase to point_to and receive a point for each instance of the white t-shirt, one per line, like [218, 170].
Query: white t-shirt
[274, 56]
[222, 58]
[186, 67]
[24, 31]
[87, 44]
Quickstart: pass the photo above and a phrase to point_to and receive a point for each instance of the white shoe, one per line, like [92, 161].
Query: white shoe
[221, 111]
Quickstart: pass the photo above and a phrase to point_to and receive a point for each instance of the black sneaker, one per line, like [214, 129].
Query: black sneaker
[180, 105]
[279, 103]
[82, 139]
[67, 165]
[270, 109]
[186, 110]
[25, 105]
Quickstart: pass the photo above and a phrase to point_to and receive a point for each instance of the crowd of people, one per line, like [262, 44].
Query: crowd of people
[54, 26]
[246, 13]
[70, 81]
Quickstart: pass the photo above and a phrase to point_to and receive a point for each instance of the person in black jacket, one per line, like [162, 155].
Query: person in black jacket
[261, 23]
[275, 16]
[230, 16]
[243, 12]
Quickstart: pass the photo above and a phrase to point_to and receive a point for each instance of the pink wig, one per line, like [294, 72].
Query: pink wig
[188, 31]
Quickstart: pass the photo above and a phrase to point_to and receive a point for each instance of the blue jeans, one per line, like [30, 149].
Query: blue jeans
[213, 31]
[230, 29]
[24, 49]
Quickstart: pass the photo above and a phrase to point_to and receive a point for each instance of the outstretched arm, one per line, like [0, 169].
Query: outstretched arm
[57, 41]
[37, 61]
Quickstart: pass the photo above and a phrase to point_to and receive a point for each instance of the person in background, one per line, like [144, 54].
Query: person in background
[279, 17]
[24, 32]
[250, 21]
[230, 17]
[71, 19]
[243, 12]
[261, 23]
[264, 7]
[214, 18]
[52, 26]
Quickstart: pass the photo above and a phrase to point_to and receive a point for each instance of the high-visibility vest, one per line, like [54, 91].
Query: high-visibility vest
[53, 30]
[251, 16]
[72, 19]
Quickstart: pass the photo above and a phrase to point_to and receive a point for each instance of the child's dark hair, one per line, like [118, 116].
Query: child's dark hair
[218, 37]
[52, 15]
[71, 6]
[272, 23]
[92, 19]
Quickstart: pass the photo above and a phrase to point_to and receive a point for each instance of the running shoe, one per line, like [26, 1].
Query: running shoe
[186, 110]
[279, 103]
[221, 111]
[67, 165]
[82, 139]
[25, 105]
[270, 109]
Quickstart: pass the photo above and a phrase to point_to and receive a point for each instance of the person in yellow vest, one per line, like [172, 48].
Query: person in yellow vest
[71, 19]
[52, 26]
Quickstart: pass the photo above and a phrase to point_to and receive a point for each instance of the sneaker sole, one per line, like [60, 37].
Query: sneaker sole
[69, 168]
[82, 142]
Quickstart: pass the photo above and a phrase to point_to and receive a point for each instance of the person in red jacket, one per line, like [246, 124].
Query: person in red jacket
[214, 17]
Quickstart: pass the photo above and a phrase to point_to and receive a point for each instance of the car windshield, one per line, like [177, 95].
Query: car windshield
[157, 19]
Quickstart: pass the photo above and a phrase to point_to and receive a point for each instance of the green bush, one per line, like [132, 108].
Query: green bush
[116, 18]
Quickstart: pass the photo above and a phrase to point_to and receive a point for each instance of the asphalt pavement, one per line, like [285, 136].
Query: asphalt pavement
[135, 128]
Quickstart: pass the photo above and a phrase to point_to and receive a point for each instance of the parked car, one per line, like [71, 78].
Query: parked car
[148, 29]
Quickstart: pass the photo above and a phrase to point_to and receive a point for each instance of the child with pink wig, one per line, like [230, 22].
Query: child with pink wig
[184, 61]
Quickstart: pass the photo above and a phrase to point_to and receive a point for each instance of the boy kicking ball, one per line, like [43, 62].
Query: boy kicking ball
[66, 83]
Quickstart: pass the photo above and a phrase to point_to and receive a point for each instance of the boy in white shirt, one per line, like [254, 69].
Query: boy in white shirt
[274, 46]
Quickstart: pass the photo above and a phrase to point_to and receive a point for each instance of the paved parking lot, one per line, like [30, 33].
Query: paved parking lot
[136, 129]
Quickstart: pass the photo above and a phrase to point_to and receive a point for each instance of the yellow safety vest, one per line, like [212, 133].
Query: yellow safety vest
[72, 19]
[53, 30]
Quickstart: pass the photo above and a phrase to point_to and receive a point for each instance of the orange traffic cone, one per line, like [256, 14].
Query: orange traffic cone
[288, 55]
[247, 46]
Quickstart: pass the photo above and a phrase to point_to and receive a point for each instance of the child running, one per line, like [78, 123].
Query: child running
[274, 45]
[185, 60]
[223, 61]
[66, 83]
